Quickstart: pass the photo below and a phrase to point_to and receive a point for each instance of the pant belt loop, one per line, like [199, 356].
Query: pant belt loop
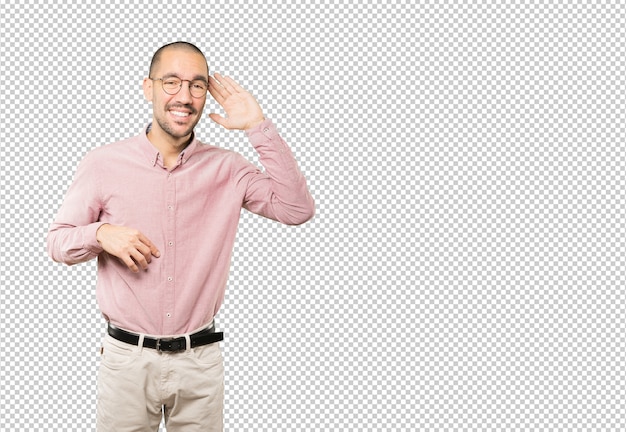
[188, 340]
[140, 343]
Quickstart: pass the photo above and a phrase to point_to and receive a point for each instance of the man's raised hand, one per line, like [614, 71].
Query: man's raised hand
[242, 110]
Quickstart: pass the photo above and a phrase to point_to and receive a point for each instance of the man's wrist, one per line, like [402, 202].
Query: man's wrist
[254, 124]
[97, 231]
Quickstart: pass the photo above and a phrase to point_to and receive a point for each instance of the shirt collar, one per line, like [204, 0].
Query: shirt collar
[152, 154]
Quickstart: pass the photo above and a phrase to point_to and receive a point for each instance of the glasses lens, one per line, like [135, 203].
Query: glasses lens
[171, 85]
[197, 88]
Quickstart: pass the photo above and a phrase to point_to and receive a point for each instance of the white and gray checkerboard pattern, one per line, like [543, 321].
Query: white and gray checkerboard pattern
[466, 266]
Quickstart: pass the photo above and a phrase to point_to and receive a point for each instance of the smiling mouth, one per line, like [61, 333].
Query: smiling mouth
[180, 114]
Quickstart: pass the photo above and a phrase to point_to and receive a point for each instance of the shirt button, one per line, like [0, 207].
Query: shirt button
[169, 279]
[266, 130]
[169, 207]
[168, 314]
[171, 243]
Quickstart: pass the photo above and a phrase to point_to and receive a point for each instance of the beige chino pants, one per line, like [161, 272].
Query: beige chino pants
[138, 386]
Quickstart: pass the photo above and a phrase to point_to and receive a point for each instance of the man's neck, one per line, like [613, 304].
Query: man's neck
[169, 147]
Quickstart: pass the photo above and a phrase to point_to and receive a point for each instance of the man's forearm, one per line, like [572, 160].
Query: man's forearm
[71, 244]
[282, 193]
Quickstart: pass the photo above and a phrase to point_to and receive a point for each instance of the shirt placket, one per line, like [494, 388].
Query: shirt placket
[170, 261]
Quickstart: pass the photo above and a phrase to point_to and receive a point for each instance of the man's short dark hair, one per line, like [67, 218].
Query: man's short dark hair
[186, 46]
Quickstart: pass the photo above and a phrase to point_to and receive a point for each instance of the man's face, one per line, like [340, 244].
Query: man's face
[176, 115]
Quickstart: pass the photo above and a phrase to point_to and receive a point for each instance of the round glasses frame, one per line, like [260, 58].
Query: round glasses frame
[172, 85]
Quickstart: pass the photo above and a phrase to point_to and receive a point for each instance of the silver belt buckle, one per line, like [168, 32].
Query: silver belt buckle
[175, 347]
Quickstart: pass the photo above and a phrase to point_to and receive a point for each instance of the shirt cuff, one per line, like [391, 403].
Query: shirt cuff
[262, 132]
[89, 238]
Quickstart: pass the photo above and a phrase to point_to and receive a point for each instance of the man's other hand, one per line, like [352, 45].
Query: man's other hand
[128, 244]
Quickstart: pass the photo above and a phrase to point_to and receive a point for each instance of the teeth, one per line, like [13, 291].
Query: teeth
[180, 114]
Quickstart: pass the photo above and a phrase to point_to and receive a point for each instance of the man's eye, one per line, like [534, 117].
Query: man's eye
[199, 86]
[171, 83]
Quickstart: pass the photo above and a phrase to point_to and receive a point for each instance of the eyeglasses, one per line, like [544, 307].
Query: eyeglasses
[172, 85]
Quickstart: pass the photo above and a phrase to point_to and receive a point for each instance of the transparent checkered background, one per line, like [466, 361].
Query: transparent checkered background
[466, 266]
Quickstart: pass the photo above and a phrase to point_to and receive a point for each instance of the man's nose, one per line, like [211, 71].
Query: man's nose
[184, 94]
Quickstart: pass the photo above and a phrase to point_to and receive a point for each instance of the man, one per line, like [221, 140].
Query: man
[160, 212]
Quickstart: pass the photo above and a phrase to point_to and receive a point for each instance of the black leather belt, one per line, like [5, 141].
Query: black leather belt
[203, 337]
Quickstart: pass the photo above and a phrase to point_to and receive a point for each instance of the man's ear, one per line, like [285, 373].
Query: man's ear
[147, 89]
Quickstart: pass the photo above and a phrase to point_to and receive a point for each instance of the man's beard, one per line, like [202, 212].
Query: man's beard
[166, 126]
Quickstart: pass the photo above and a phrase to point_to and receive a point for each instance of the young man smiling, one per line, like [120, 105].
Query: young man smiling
[160, 212]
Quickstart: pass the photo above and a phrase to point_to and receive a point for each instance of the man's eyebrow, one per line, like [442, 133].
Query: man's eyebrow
[196, 78]
[200, 78]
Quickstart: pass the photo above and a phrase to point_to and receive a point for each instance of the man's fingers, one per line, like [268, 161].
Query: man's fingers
[222, 121]
[133, 248]
[140, 259]
[152, 249]
[231, 84]
[130, 264]
[145, 252]
[217, 90]
[226, 83]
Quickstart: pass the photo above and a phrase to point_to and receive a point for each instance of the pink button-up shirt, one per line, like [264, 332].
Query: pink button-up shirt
[190, 212]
